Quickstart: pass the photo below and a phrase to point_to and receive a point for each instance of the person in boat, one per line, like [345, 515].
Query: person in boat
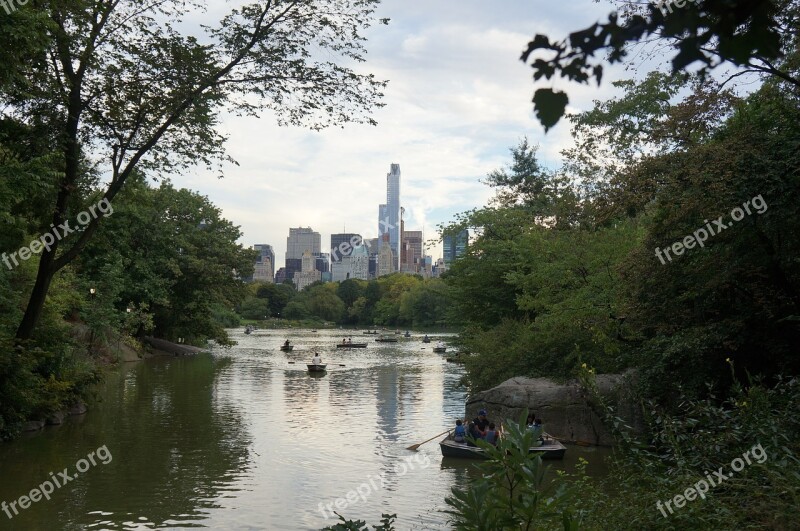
[491, 434]
[349, 340]
[460, 433]
[474, 433]
[425, 338]
[481, 422]
[316, 360]
[286, 343]
[344, 341]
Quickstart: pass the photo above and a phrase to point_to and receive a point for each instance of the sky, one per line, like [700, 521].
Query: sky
[458, 99]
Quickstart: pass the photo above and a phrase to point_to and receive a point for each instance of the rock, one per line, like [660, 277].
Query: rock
[56, 418]
[78, 408]
[33, 425]
[566, 414]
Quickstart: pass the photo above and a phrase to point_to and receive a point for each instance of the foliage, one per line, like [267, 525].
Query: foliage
[684, 446]
[758, 36]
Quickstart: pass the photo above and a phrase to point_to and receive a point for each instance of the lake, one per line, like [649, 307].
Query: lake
[246, 438]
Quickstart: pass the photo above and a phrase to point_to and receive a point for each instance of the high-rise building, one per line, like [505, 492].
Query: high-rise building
[455, 246]
[299, 241]
[342, 245]
[386, 259]
[308, 273]
[324, 263]
[389, 214]
[354, 266]
[265, 263]
[412, 251]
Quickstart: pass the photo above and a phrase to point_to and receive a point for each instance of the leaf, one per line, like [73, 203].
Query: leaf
[549, 106]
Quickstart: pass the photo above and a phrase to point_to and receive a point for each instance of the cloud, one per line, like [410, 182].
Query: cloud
[458, 99]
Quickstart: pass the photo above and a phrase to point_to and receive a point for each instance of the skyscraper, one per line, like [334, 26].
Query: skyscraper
[265, 263]
[455, 246]
[389, 214]
[411, 251]
[299, 241]
[342, 245]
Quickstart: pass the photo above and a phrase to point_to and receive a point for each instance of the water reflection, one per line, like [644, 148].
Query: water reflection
[245, 438]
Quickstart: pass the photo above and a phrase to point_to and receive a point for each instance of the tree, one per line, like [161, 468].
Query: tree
[119, 89]
[756, 35]
[171, 251]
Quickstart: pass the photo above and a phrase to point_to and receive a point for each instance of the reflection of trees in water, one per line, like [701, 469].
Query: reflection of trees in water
[175, 447]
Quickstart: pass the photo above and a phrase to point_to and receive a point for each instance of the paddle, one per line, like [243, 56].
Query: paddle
[341, 365]
[415, 446]
[291, 363]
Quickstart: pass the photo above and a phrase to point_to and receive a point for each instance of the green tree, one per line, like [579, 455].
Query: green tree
[115, 81]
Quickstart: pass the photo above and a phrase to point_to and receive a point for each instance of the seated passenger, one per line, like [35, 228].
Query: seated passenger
[491, 434]
[316, 360]
[460, 433]
[474, 433]
[481, 421]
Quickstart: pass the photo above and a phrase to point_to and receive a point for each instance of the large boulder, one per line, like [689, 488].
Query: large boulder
[564, 408]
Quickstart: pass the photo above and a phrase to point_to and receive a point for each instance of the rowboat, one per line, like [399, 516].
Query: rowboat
[426, 339]
[550, 449]
[351, 345]
[440, 348]
[387, 339]
[287, 348]
[368, 333]
[316, 368]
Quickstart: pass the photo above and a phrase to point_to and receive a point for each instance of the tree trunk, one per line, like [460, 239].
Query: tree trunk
[36, 302]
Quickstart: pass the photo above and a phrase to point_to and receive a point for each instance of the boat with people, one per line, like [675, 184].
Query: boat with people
[287, 347]
[407, 334]
[351, 345]
[249, 329]
[426, 339]
[440, 348]
[387, 339]
[370, 333]
[549, 447]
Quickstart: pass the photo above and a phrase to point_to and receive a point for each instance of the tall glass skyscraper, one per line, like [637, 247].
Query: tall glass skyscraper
[389, 214]
[455, 246]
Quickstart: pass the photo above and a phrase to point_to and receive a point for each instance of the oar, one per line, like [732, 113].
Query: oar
[341, 365]
[415, 446]
[291, 363]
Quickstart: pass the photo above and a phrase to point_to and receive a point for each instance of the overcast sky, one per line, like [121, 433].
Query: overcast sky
[458, 99]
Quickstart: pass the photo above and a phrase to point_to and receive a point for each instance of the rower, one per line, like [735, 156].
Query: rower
[316, 360]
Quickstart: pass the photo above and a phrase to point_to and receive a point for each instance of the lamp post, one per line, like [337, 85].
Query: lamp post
[92, 293]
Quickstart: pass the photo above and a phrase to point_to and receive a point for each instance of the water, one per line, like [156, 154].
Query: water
[246, 439]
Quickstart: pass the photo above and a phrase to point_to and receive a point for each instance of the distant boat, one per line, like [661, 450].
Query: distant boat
[387, 339]
[370, 333]
[287, 348]
[440, 348]
[249, 329]
[351, 345]
[550, 448]
[426, 339]
[316, 368]
[407, 334]
[397, 332]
